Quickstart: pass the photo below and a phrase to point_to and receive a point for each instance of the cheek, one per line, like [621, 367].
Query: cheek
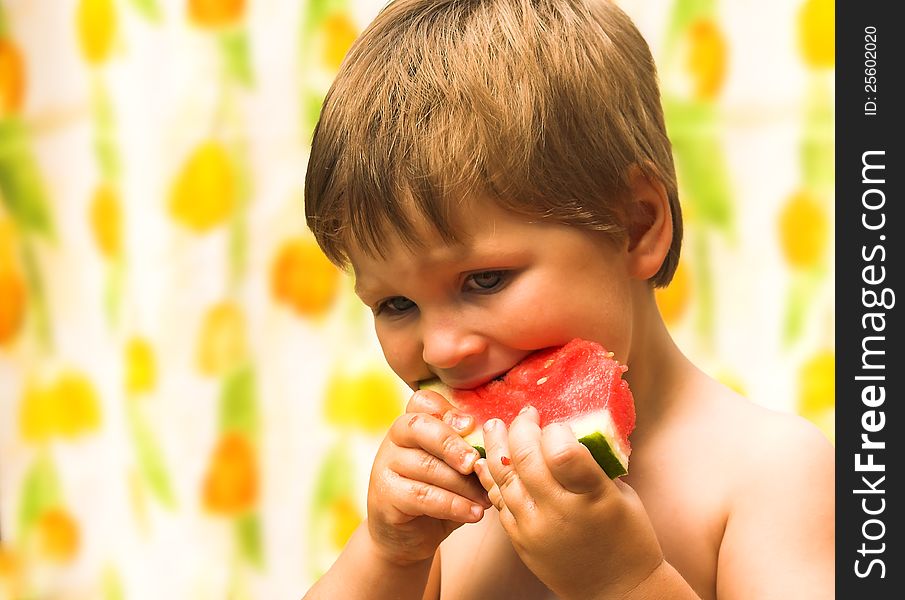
[402, 353]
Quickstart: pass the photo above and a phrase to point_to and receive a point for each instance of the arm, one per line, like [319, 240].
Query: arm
[663, 582]
[779, 540]
[361, 572]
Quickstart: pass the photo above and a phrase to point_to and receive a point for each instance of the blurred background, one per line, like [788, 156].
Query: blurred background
[190, 395]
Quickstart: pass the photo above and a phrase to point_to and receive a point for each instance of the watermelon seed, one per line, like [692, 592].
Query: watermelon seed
[542, 381]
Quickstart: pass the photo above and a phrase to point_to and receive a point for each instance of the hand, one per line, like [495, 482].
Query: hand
[422, 485]
[582, 534]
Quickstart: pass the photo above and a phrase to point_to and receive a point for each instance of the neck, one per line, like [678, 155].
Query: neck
[656, 366]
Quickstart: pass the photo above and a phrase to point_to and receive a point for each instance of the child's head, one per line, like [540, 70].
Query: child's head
[540, 106]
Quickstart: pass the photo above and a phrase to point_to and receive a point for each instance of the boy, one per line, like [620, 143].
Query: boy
[497, 175]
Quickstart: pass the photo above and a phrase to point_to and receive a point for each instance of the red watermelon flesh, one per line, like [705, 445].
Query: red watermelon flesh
[579, 383]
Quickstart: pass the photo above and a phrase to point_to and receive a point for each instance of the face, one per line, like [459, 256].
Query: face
[468, 312]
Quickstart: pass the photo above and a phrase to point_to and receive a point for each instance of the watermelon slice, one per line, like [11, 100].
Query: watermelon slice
[580, 384]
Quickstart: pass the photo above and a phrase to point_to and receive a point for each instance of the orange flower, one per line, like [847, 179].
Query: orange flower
[12, 78]
[204, 192]
[96, 22]
[12, 284]
[10, 573]
[215, 13]
[222, 342]
[231, 482]
[706, 58]
[141, 369]
[106, 220]
[339, 34]
[58, 535]
[12, 303]
[345, 518]
[673, 300]
[817, 33]
[303, 278]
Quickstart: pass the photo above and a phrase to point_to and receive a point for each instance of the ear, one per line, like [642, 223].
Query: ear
[649, 224]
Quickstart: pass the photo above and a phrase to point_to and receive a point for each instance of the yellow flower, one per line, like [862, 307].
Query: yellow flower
[12, 78]
[77, 406]
[106, 220]
[339, 34]
[803, 230]
[204, 192]
[96, 22]
[817, 384]
[222, 342]
[304, 278]
[215, 13]
[58, 535]
[817, 33]
[368, 400]
[345, 518]
[706, 58]
[67, 407]
[673, 300]
[231, 482]
[141, 368]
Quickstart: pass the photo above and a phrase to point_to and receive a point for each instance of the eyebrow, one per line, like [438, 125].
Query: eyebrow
[426, 260]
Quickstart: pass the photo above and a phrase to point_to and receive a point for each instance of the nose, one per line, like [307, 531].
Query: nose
[447, 342]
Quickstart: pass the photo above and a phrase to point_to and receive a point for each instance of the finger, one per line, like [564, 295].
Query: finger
[527, 456]
[432, 403]
[570, 461]
[499, 463]
[419, 465]
[416, 498]
[424, 431]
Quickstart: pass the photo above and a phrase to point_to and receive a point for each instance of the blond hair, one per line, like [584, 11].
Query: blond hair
[542, 106]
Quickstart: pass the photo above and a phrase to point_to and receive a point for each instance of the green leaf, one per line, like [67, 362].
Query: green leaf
[700, 162]
[21, 183]
[818, 144]
[803, 287]
[248, 537]
[105, 146]
[236, 56]
[149, 9]
[112, 584]
[150, 459]
[239, 403]
[40, 491]
[312, 102]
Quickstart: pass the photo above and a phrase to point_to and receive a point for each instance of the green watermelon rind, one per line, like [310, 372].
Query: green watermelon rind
[605, 455]
[601, 450]
[595, 431]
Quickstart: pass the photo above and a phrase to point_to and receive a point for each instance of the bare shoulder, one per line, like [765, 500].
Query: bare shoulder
[779, 534]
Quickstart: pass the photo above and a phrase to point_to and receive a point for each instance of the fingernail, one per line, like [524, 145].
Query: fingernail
[470, 459]
[457, 421]
[525, 409]
[489, 425]
[477, 511]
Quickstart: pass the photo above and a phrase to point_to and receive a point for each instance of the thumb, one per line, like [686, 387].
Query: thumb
[570, 461]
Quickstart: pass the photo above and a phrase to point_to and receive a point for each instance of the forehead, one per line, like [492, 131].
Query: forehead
[482, 230]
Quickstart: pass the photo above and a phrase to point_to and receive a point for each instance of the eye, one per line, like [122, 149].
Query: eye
[486, 281]
[396, 305]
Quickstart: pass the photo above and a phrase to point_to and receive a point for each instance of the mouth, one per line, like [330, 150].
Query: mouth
[473, 382]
